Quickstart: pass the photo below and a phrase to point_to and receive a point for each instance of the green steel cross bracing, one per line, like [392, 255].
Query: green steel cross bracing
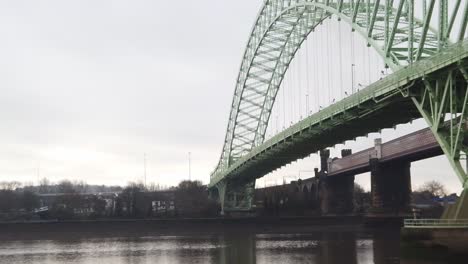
[442, 98]
[390, 28]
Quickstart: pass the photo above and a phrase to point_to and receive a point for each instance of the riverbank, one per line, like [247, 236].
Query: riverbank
[147, 227]
[454, 239]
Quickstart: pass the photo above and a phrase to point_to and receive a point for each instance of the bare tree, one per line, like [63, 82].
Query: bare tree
[191, 199]
[361, 199]
[358, 189]
[9, 185]
[129, 198]
[44, 185]
[66, 186]
[153, 187]
[435, 188]
[30, 200]
[80, 186]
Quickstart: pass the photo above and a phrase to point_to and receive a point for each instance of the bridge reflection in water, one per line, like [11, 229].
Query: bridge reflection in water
[328, 247]
[381, 247]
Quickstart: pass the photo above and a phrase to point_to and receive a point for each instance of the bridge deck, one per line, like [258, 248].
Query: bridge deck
[415, 146]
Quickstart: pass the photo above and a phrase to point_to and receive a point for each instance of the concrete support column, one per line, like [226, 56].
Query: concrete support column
[390, 187]
[337, 192]
[337, 195]
[221, 194]
[324, 156]
[236, 196]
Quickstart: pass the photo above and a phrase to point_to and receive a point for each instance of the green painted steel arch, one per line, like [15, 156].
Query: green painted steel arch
[283, 25]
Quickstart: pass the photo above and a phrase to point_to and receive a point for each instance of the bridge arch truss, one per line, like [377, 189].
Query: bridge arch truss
[283, 25]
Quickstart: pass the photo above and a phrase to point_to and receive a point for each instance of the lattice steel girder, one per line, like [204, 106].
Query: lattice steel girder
[445, 97]
[282, 26]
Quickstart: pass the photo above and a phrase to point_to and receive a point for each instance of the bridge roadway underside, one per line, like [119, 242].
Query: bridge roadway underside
[369, 117]
[381, 105]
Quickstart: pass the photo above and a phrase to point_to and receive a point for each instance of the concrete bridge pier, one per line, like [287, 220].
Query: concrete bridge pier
[236, 196]
[337, 192]
[338, 195]
[390, 187]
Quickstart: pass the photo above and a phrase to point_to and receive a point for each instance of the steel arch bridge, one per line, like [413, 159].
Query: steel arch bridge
[392, 30]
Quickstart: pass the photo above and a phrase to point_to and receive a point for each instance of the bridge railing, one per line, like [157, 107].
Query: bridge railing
[436, 223]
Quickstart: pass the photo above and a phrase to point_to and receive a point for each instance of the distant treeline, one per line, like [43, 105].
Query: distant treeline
[45, 186]
[78, 200]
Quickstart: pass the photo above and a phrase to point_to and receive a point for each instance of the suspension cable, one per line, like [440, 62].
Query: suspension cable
[368, 66]
[284, 103]
[291, 97]
[277, 110]
[293, 91]
[352, 62]
[319, 79]
[299, 86]
[307, 77]
[320, 76]
[327, 45]
[341, 59]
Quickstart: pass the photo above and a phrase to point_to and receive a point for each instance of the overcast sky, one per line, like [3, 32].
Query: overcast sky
[87, 87]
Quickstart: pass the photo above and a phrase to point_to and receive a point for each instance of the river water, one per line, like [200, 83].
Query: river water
[247, 248]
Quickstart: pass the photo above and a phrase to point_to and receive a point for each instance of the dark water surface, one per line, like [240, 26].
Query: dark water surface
[247, 248]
